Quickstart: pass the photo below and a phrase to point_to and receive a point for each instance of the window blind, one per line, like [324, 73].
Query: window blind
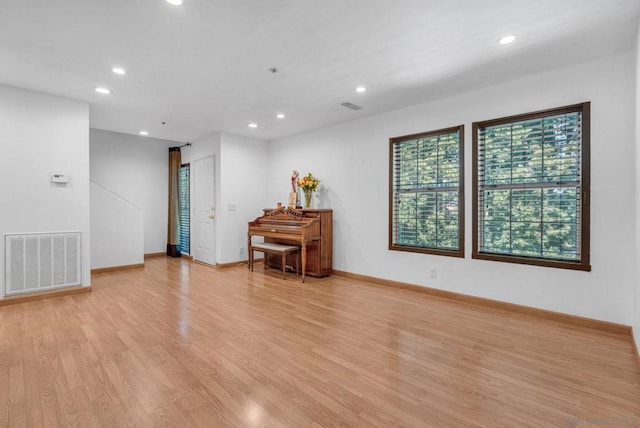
[530, 186]
[426, 191]
[184, 208]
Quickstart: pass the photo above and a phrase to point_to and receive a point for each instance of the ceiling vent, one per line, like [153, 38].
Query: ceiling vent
[351, 106]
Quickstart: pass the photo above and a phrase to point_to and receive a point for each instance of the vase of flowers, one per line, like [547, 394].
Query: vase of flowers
[308, 184]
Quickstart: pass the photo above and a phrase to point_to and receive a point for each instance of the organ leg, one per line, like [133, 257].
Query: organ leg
[250, 251]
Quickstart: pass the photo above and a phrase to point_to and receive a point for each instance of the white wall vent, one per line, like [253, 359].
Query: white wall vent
[42, 261]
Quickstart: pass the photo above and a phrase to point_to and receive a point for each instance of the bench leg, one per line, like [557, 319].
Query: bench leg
[284, 265]
[304, 260]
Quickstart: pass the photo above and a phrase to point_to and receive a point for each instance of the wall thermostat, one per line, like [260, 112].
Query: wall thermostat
[59, 177]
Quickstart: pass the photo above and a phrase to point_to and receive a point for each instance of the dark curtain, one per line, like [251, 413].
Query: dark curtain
[173, 226]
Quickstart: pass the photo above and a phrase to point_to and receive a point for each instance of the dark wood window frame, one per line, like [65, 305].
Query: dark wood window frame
[459, 252]
[583, 263]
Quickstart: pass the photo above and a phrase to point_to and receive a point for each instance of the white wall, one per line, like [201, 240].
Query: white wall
[201, 149]
[135, 168]
[636, 323]
[117, 230]
[243, 186]
[39, 134]
[240, 188]
[352, 161]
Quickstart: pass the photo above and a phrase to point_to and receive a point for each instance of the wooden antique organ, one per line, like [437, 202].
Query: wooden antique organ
[311, 229]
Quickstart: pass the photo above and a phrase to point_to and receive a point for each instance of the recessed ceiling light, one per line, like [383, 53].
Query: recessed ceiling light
[119, 70]
[253, 125]
[103, 91]
[361, 89]
[145, 133]
[280, 116]
[505, 40]
[175, 2]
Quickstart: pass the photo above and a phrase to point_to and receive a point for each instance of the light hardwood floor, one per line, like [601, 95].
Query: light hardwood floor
[179, 344]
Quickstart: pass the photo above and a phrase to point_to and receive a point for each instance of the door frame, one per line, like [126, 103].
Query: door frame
[193, 209]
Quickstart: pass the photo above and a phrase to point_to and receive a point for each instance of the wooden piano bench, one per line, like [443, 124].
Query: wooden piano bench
[283, 250]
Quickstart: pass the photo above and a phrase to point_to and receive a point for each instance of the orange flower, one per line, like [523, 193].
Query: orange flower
[309, 182]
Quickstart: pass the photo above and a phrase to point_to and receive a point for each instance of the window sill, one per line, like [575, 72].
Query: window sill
[434, 251]
[532, 261]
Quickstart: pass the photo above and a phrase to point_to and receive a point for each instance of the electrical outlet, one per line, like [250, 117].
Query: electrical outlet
[241, 251]
[434, 273]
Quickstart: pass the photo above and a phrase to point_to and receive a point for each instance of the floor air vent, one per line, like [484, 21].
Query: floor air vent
[39, 262]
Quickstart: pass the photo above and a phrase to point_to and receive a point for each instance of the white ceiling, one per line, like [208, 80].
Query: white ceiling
[203, 67]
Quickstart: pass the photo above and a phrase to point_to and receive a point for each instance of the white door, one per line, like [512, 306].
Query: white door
[204, 211]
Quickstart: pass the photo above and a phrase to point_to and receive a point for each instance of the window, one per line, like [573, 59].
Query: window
[426, 201]
[531, 188]
[184, 207]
